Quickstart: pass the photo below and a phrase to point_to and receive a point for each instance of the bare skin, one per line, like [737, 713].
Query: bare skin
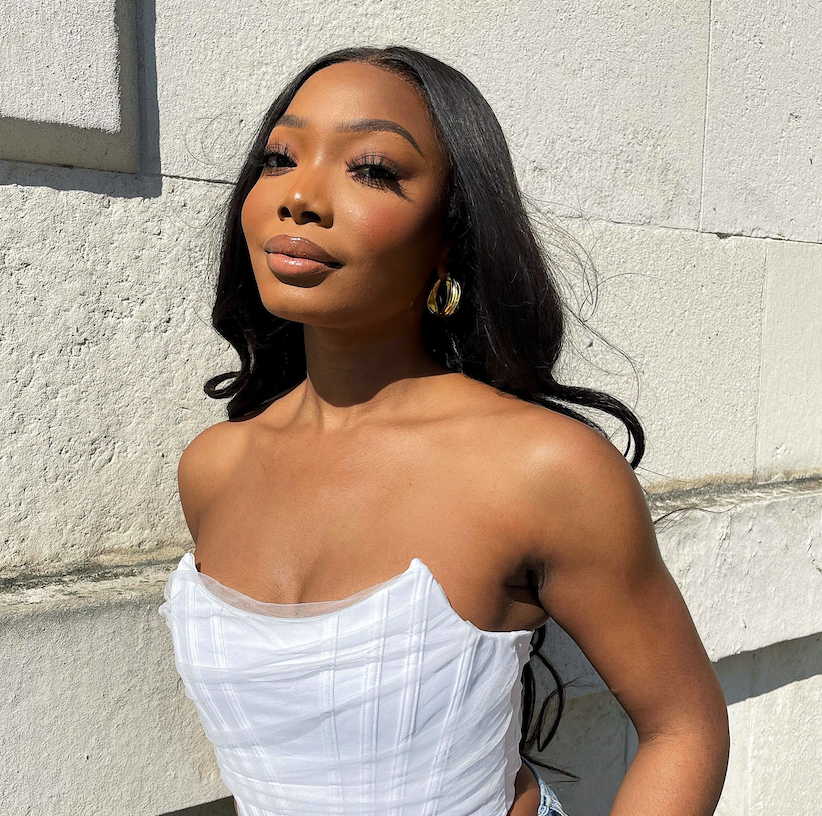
[381, 455]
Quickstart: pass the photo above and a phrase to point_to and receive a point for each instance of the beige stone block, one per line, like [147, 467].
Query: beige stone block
[105, 307]
[789, 435]
[774, 698]
[685, 309]
[604, 107]
[736, 790]
[786, 732]
[748, 564]
[59, 63]
[69, 94]
[763, 162]
[95, 718]
[734, 674]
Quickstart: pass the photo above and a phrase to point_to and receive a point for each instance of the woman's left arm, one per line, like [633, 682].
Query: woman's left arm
[607, 586]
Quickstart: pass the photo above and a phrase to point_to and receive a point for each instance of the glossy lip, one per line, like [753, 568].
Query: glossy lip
[293, 247]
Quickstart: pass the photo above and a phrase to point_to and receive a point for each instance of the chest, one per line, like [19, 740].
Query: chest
[300, 520]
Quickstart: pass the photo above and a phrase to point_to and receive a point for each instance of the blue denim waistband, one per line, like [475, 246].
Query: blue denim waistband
[548, 804]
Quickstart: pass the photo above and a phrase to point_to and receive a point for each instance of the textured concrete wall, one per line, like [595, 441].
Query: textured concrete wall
[95, 718]
[679, 144]
[106, 346]
[69, 90]
[60, 65]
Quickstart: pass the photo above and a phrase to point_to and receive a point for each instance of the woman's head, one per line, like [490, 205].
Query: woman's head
[459, 209]
[456, 207]
[355, 166]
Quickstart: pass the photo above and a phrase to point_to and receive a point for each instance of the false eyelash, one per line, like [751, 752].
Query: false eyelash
[378, 161]
[276, 149]
[366, 160]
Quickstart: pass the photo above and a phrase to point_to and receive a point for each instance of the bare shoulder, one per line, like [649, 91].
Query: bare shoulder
[206, 464]
[540, 439]
[548, 437]
[578, 493]
[571, 457]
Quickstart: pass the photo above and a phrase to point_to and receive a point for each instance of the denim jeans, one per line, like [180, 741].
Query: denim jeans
[548, 804]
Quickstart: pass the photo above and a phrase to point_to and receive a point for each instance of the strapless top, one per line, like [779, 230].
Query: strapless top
[386, 702]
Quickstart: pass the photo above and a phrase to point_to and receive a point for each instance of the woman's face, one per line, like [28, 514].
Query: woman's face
[354, 168]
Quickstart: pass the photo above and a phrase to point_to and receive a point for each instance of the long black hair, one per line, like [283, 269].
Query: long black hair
[508, 331]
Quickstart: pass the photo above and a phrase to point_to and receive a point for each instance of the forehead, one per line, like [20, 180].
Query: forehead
[353, 90]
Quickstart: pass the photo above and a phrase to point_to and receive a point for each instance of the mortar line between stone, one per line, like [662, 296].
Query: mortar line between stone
[763, 306]
[189, 178]
[722, 235]
[705, 117]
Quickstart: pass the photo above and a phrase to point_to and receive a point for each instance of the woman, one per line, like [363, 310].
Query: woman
[403, 493]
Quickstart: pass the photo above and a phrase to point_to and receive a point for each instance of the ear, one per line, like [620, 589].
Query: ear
[442, 260]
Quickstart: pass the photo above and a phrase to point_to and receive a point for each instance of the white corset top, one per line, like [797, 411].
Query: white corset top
[386, 702]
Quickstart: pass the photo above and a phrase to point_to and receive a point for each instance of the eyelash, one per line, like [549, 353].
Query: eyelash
[367, 160]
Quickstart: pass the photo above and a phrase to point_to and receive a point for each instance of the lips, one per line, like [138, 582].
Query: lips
[298, 249]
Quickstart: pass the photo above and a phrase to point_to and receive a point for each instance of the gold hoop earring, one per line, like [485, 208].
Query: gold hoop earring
[452, 297]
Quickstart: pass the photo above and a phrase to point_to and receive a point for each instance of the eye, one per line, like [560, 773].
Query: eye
[277, 157]
[375, 171]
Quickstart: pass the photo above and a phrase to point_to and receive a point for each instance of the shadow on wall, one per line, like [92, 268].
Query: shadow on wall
[752, 674]
[222, 807]
[59, 174]
[597, 741]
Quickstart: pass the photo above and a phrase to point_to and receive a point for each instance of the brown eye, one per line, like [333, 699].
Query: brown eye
[375, 171]
[277, 157]
[378, 172]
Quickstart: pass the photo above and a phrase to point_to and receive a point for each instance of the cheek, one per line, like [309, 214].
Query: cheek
[253, 213]
[394, 231]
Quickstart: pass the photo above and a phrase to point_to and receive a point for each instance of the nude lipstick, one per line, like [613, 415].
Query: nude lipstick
[296, 257]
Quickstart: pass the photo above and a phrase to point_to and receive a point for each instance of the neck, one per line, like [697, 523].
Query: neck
[362, 375]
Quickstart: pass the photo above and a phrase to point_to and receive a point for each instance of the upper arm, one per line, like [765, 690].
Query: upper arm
[202, 470]
[607, 586]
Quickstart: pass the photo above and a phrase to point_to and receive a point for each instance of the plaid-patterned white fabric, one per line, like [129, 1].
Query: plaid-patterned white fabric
[387, 703]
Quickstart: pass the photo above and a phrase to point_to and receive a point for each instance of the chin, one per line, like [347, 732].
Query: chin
[303, 314]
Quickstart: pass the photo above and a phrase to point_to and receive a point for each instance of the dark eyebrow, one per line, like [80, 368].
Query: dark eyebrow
[357, 126]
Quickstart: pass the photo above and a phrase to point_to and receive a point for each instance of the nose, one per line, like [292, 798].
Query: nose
[305, 200]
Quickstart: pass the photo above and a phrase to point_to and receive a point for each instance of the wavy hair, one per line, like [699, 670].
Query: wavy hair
[508, 331]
